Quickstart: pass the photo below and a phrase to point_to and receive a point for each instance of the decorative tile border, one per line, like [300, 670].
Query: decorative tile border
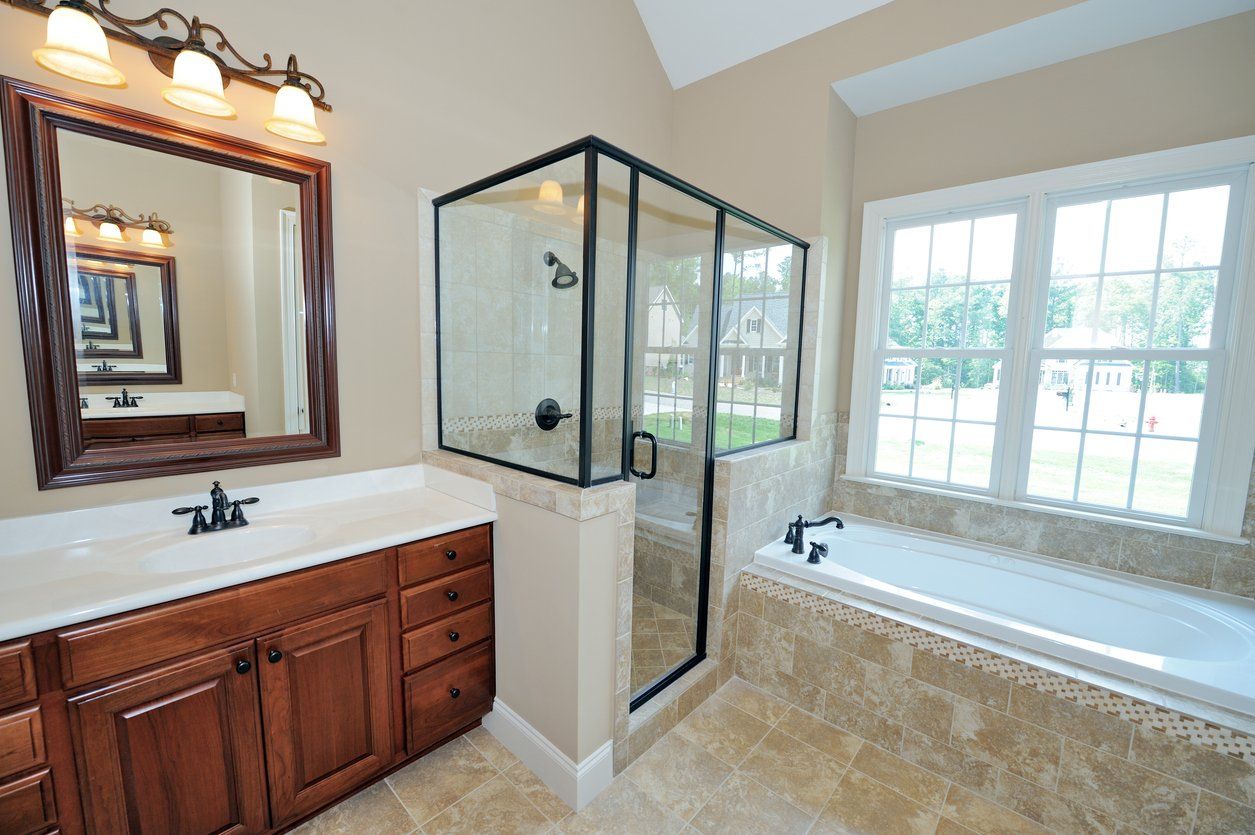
[520, 420]
[1170, 722]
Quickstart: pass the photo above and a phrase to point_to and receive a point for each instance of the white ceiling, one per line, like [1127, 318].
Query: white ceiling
[697, 38]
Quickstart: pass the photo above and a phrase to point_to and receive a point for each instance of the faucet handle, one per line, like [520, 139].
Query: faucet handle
[818, 551]
[795, 531]
[198, 517]
[237, 515]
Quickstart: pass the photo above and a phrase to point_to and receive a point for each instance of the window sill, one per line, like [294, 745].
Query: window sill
[1073, 513]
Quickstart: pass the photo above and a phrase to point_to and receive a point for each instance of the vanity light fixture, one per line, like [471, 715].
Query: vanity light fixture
[112, 224]
[549, 199]
[76, 48]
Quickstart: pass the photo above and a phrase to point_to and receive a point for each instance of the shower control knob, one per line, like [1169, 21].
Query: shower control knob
[549, 414]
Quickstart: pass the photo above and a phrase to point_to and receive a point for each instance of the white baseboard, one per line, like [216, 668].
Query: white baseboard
[576, 783]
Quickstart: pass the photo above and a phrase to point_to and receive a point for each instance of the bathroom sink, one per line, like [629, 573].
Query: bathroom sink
[225, 548]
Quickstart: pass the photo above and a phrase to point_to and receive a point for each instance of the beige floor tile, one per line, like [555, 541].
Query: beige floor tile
[679, 774]
[815, 732]
[441, 778]
[725, 731]
[920, 785]
[802, 775]
[493, 751]
[746, 807]
[535, 790]
[374, 809]
[985, 816]
[622, 809]
[497, 807]
[862, 805]
[757, 703]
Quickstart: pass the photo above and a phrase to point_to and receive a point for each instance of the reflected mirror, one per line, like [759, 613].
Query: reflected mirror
[176, 297]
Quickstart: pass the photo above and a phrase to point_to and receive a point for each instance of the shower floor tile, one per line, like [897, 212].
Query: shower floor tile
[661, 639]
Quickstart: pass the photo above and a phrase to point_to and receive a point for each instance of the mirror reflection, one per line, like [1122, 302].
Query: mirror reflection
[186, 292]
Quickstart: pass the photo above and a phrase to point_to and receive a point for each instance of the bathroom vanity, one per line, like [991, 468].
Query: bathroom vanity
[161, 429]
[252, 705]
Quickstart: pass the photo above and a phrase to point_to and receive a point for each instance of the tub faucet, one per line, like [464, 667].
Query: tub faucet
[797, 531]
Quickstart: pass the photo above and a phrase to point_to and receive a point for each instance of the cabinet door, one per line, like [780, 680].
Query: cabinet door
[175, 750]
[326, 706]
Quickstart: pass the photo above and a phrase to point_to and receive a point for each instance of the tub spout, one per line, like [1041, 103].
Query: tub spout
[798, 529]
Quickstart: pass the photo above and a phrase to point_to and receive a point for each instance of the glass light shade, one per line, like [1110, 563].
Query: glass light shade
[550, 198]
[153, 238]
[294, 116]
[110, 231]
[198, 85]
[71, 228]
[76, 48]
[579, 211]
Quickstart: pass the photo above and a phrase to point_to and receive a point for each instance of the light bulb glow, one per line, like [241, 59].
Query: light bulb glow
[153, 238]
[579, 211]
[197, 85]
[293, 116]
[76, 48]
[71, 228]
[112, 232]
[550, 198]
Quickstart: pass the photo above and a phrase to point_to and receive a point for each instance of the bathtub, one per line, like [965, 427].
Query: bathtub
[1192, 643]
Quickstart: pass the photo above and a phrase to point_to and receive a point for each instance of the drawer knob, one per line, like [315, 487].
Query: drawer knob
[242, 666]
[274, 656]
[453, 636]
[451, 554]
[452, 595]
[454, 692]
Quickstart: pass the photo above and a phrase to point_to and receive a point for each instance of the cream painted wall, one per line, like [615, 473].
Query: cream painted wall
[1186, 87]
[428, 93]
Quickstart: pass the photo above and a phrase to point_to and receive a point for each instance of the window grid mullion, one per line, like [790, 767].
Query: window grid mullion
[1080, 447]
[1137, 438]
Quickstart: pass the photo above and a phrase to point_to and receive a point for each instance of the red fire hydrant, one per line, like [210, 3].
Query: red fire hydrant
[1151, 421]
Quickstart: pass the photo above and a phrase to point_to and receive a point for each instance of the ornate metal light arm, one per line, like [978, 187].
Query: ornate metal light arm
[109, 213]
[162, 49]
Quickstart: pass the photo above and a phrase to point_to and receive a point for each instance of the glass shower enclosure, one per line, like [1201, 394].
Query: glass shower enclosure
[599, 320]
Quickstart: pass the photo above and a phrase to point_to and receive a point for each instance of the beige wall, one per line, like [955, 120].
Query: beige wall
[413, 107]
[1191, 86]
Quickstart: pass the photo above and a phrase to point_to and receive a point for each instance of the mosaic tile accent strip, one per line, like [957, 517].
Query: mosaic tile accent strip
[519, 420]
[1170, 722]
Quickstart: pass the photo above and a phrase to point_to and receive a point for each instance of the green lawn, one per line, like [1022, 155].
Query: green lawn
[679, 428]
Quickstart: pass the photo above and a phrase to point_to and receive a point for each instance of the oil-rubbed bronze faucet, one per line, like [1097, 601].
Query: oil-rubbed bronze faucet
[125, 400]
[797, 531]
[218, 520]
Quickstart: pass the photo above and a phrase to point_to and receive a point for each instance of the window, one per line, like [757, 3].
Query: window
[1065, 339]
[754, 325]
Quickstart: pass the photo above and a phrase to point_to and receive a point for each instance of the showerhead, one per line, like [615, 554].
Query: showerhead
[563, 277]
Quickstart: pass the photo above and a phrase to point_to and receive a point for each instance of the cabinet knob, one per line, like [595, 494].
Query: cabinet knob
[452, 595]
[454, 692]
[243, 666]
[274, 656]
[453, 636]
[451, 554]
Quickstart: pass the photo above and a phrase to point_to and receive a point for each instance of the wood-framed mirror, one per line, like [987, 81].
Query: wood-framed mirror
[130, 374]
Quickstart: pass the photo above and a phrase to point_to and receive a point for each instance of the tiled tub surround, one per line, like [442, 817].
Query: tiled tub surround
[1205, 563]
[1008, 745]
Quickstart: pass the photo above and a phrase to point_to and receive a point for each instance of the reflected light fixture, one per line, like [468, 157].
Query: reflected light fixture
[75, 47]
[293, 116]
[112, 223]
[71, 227]
[197, 83]
[111, 232]
[550, 198]
[579, 211]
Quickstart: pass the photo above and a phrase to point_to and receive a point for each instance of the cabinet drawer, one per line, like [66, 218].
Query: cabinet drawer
[421, 561]
[445, 595]
[21, 741]
[447, 696]
[228, 422]
[26, 805]
[135, 427]
[17, 674]
[447, 636]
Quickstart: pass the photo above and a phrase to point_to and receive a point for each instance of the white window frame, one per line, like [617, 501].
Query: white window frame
[1227, 438]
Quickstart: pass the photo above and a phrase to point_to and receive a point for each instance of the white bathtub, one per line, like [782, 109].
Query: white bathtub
[1192, 643]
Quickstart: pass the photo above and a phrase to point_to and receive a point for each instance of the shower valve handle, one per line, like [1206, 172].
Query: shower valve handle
[549, 414]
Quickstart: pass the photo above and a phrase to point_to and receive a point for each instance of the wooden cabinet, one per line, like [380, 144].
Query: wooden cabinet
[160, 429]
[247, 709]
[325, 690]
[177, 749]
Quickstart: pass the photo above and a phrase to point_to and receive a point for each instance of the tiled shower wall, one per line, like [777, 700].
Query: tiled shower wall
[1204, 563]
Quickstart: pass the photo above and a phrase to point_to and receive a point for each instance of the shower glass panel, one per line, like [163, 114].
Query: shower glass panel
[591, 309]
[759, 324]
[675, 258]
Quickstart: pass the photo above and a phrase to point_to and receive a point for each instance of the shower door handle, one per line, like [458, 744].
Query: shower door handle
[653, 454]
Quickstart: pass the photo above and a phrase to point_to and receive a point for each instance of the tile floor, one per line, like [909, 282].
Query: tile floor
[742, 762]
[661, 638]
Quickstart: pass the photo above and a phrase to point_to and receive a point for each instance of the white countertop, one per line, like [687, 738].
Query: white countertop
[65, 568]
[162, 404]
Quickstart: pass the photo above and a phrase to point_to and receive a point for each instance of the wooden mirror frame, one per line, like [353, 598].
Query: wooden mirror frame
[170, 319]
[31, 116]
